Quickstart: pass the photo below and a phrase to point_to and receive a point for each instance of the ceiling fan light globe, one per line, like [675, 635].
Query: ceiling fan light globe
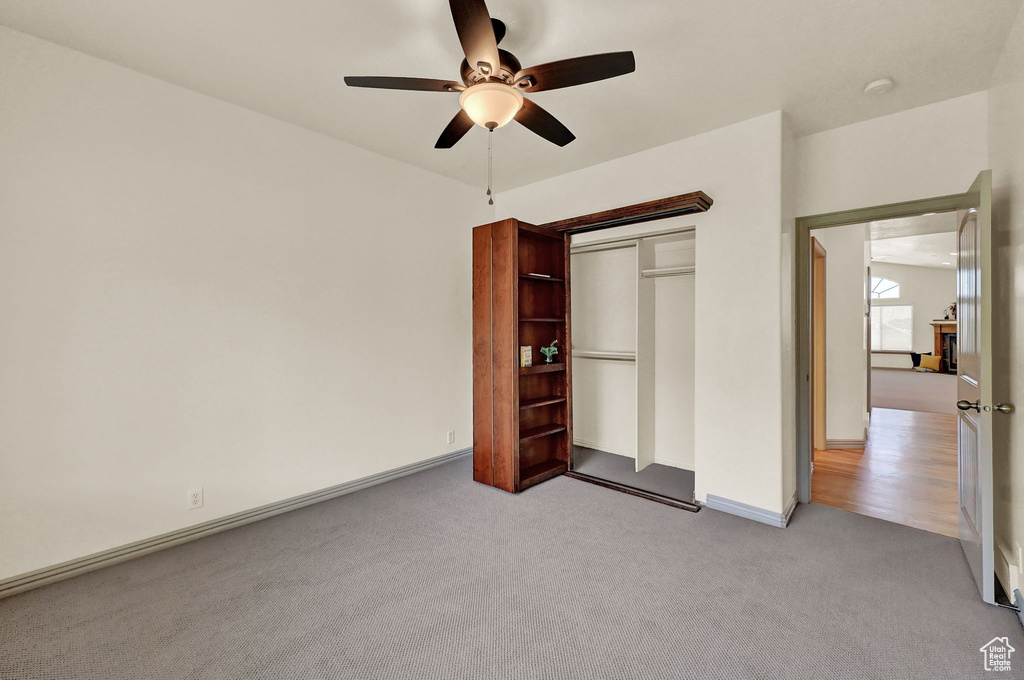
[491, 105]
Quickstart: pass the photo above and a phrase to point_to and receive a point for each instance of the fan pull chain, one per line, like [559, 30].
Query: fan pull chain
[490, 163]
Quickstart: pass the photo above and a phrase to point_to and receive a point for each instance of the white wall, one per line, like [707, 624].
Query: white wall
[929, 289]
[933, 150]
[197, 295]
[846, 351]
[1006, 149]
[738, 341]
[787, 309]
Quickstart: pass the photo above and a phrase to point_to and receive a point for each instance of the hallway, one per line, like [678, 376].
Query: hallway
[906, 474]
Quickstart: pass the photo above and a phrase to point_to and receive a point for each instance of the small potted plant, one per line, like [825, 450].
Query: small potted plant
[549, 352]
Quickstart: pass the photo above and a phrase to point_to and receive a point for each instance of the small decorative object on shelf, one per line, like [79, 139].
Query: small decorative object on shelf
[951, 312]
[549, 352]
[526, 357]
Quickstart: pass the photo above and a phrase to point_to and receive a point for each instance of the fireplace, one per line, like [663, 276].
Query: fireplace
[945, 344]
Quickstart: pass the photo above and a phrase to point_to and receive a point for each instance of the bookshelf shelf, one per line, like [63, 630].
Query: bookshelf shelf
[535, 474]
[541, 368]
[540, 431]
[540, 401]
[541, 277]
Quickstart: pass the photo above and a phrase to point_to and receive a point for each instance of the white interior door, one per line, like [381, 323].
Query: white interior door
[974, 384]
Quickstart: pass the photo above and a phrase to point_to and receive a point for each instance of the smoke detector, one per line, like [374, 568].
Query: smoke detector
[880, 86]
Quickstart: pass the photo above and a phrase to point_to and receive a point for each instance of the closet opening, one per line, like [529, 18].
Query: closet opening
[632, 316]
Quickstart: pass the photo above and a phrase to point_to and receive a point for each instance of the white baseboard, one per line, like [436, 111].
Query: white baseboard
[609, 449]
[790, 509]
[1018, 599]
[673, 463]
[844, 443]
[1007, 569]
[603, 447]
[106, 558]
[775, 519]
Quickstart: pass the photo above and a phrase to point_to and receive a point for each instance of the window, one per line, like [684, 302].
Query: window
[884, 288]
[892, 327]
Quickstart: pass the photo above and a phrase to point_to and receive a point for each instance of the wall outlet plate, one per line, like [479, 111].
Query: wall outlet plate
[195, 498]
[451, 436]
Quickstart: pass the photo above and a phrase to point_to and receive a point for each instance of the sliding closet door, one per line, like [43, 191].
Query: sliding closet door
[604, 320]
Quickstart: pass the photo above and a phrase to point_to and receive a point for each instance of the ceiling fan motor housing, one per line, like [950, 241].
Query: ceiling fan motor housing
[510, 66]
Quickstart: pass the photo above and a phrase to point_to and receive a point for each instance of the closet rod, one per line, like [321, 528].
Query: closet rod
[609, 356]
[668, 271]
[600, 247]
[629, 240]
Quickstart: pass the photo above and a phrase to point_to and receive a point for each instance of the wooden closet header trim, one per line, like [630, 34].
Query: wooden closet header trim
[685, 204]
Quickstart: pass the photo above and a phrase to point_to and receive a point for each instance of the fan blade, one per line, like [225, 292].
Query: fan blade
[544, 124]
[393, 83]
[577, 71]
[473, 24]
[455, 131]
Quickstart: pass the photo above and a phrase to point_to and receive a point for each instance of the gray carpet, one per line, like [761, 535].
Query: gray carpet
[913, 391]
[434, 576]
[661, 479]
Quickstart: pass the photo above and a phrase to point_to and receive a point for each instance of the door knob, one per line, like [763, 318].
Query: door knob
[1003, 408]
[965, 405]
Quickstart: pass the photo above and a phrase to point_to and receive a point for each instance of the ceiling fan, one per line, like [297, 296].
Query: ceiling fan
[493, 80]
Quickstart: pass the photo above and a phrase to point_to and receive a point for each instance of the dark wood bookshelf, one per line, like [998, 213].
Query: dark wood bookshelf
[522, 415]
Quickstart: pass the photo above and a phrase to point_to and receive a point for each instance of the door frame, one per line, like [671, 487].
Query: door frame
[804, 332]
[819, 345]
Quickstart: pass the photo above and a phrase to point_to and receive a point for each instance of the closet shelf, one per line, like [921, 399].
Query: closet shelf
[542, 431]
[542, 401]
[541, 277]
[541, 368]
[543, 319]
[668, 271]
[536, 474]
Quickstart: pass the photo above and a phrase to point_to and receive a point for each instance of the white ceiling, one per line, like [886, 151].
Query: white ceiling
[927, 250]
[700, 65]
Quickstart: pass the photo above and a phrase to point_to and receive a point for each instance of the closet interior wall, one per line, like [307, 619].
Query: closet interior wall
[633, 345]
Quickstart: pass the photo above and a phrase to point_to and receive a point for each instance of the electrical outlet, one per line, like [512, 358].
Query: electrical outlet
[195, 498]
[451, 436]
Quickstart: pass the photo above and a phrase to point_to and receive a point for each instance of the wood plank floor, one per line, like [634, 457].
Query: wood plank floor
[906, 474]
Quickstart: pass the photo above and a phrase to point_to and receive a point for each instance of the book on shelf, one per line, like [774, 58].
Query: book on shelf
[525, 356]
